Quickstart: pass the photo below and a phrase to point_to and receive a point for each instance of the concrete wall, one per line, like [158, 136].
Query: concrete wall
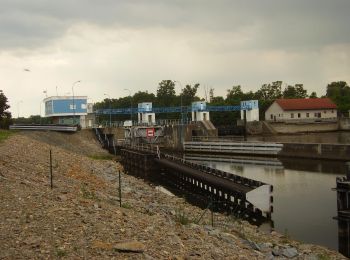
[344, 124]
[290, 128]
[255, 127]
[316, 151]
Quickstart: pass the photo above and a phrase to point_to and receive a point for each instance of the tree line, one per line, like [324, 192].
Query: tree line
[339, 92]
[165, 96]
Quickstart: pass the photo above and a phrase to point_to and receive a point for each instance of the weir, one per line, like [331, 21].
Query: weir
[201, 185]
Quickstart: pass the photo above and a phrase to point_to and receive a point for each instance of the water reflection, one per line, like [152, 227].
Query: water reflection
[304, 203]
[330, 137]
[344, 237]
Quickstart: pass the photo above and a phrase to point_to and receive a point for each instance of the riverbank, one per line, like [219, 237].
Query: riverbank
[81, 218]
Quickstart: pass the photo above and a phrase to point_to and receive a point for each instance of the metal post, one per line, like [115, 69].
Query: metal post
[120, 190]
[212, 216]
[74, 100]
[245, 124]
[51, 181]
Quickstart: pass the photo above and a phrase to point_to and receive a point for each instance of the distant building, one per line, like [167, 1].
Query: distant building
[69, 110]
[310, 109]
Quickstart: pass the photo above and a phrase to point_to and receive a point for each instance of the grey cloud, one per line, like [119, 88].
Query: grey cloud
[280, 24]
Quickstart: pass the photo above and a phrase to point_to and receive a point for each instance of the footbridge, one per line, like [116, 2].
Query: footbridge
[178, 109]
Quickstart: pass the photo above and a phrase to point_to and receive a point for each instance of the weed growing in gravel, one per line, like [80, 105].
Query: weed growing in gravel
[101, 157]
[126, 205]
[182, 217]
[323, 257]
[4, 134]
[60, 252]
[87, 194]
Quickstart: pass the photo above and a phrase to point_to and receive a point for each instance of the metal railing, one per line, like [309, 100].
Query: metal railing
[234, 147]
[158, 122]
[230, 138]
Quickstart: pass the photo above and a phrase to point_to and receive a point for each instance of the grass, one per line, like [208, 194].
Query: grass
[4, 134]
[60, 252]
[182, 218]
[126, 205]
[101, 157]
[323, 257]
[87, 194]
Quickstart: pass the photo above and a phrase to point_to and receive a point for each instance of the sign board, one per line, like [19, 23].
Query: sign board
[249, 104]
[150, 132]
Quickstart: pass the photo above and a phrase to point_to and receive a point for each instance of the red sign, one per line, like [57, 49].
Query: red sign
[150, 132]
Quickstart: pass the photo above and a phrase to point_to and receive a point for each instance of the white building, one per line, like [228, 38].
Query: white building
[251, 108]
[69, 110]
[310, 109]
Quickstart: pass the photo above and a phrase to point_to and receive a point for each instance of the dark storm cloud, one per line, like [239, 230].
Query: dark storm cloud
[277, 23]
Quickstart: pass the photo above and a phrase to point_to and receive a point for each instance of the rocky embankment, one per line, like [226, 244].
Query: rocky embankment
[81, 218]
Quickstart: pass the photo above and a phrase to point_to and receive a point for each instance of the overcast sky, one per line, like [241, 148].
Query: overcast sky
[112, 45]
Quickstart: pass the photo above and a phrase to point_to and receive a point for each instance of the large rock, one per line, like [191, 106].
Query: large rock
[290, 252]
[130, 246]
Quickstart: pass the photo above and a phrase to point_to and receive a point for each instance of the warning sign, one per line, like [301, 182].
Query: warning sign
[150, 132]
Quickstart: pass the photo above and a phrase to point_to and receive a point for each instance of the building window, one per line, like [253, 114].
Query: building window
[83, 106]
[307, 115]
[298, 115]
[292, 115]
[271, 116]
[325, 112]
[73, 107]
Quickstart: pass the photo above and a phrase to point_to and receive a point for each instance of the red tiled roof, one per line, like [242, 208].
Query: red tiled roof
[306, 104]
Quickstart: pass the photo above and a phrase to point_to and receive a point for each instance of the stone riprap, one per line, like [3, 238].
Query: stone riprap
[81, 218]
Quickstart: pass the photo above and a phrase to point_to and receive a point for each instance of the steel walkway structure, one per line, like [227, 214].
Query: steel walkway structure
[159, 110]
[200, 184]
[58, 128]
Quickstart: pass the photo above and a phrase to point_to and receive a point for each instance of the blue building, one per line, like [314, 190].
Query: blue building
[69, 110]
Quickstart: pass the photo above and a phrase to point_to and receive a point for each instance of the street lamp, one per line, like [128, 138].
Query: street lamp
[130, 103]
[182, 116]
[19, 102]
[110, 110]
[73, 99]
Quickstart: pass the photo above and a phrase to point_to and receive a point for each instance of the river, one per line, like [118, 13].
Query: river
[304, 203]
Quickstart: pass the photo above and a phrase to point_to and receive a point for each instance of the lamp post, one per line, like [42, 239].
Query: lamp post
[73, 99]
[130, 103]
[19, 102]
[110, 110]
[40, 113]
[182, 116]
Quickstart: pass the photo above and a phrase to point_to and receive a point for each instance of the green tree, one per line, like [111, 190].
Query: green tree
[142, 96]
[270, 91]
[211, 94]
[267, 94]
[234, 95]
[296, 91]
[188, 94]
[5, 116]
[339, 92]
[313, 95]
[166, 93]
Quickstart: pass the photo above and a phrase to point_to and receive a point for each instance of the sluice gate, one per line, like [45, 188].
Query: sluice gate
[202, 185]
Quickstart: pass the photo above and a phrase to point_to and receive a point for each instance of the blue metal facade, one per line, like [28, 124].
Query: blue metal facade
[196, 106]
[64, 106]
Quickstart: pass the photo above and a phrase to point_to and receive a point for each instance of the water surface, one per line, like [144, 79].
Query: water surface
[304, 203]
